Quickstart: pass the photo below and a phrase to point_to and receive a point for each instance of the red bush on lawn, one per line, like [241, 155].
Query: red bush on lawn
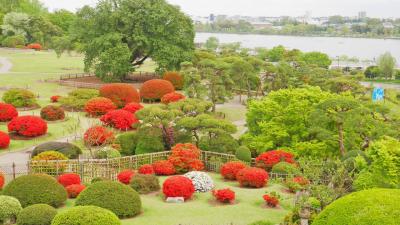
[35, 46]
[125, 176]
[68, 179]
[133, 107]
[52, 113]
[4, 140]
[175, 78]
[178, 186]
[230, 169]
[185, 157]
[74, 190]
[99, 106]
[146, 169]
[55, 98]
[98, 135]
[28, 126]
[224, 195]
[163, 168]
[7, 112]
[252, 177]
[2, 180]
[301, 180]
[172, 97]
[271, 200]
[120, 119]
[155, 89]
[268, 159]
[120, 94]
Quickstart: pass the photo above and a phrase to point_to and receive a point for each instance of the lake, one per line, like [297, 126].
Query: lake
[362, 48]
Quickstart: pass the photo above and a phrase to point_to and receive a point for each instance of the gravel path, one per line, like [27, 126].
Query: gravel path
[5, 65]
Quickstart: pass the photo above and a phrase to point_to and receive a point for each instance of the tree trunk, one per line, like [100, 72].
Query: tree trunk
[341, 139]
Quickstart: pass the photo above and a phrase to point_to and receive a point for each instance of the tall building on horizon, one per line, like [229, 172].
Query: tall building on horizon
[362, 15]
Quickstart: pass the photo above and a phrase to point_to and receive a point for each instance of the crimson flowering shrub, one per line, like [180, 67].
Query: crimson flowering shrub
[28, 126]
[271, 200]
[252, 177]
[301, 180]
[35, 46]
[133, 107]
[155, 89]
[67, 179]
[7, 112]
[2, 180]
[224, 195]
[99, 106]
[55, 98]
[297, 183]
[164, 168]
[146, 169]
[175, 78]
[172, 97]
[120, 119]
[268, 159]
[52, 113]
[74, 190]
[4, 140]
[230, 169]
[185, 157]
[178, 186]
[120, 94]
[125, 176]
[98, 135]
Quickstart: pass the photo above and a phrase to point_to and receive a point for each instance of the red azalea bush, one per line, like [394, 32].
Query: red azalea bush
[68, 179]
[2, 180]
[301, 180]
[230, 169]
[155, 89]
[99, 106]
[4, 140]
[163, 168]
[224, 195]
[268, 159]
[271, 200]
[146, 169]
[74, 190]
[172, 97]
[133, 107]
[52, 113]
[120, 94]
[28, 126]
[252, 177]
[125, 176]
[98, 135]
[175, 78]
[178, 186]
[55, 98]
[35, 46]
[120, 119]
[7, 112]
[186, 157]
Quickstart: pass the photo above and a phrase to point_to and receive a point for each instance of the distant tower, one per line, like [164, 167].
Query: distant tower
[362, 15]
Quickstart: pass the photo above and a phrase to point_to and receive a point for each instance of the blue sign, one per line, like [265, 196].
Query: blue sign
[378, 94]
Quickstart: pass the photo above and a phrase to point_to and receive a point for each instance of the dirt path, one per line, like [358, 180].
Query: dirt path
[5, 65]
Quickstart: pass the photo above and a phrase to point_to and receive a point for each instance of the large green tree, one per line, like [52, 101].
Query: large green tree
[386, 63]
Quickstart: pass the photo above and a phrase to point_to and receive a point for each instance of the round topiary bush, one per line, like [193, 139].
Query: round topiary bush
[99, 106]
[107, 153]
[98, 135]
[202, 182]
[164, 168]
[146, 169]
[55, 98]
[48, 163]
[127, 142]
[4, 140]
[7, 112]
[186, 157]
[19, 98]
[34, 46]
[28, 126]
[67, 179]
[285, 168]
[374, 206]
[69, 150]
[267, 160]
[153, 90]
[117, 197]
[36, 214]
[76, 99]
[243, 153]
[230, 169]
[74, 190]
[125, 176]
[175, 78]
[120, 94]
[9, 209]
[52, 113]
[172, 97]
[133, 107]
[35, 189]
[90, 215]
[178, 186]
[119, 119]
[252, 177]
[145, 183]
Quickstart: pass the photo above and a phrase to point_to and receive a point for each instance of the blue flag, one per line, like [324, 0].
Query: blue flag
[378, 94]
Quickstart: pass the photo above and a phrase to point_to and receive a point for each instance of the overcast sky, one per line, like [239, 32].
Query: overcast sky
[374, 8]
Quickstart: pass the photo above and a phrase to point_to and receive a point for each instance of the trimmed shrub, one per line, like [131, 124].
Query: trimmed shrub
[185, 157]
[178, 186]
[19, 98]
[222, 143]
[374, 206]
[133, 107]
[163, 168]
[271, 200]
[150, 140]
[13, 41]
[114, 196]
[4, 140]
[34, 46]
[35, 189]
[127, 143]
[7, 112]
[285, 168]
[68, 179]
[36, 214]
[44, 163]
[145, 183]
[50, 155]
[120, 94]
[28, 126]
[86, 215]
[267, 160]
[172, 97]
[125, 176]
[74, 190]
[252, 177]
[76, 99]
[243, 153]
[202, 182]
[146, 169]
[230, 169]
[9, 209]
[120, 119]
[155, 89]
[96, 136]
[99, 106]
[69, 150]
[52, 113]
[55, 98]
[107, 153]
[2, 180]
[224, 195]
[175, 78]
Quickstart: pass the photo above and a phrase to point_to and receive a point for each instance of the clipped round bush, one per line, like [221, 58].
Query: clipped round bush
[119, 119]
[202, 182]
[285, 168]
[13, 41]
[36, 214]
[76, 99]
[164, 168]
[52, 113]
[107, 153]
[175, 78]
[172, 97]
[125, 176]
[186, 157]
[374, 206]
[224, 195]
[74, 190]
[67, 179]
[28, 126]
[127, 142]
[243, 153]
[120, 94]
[55, 98]
[35, 189]
[99, 106]
[155, 89]
[19, 98]
[48, 163]
[69, 150]
[7, 112]
[98, 135]
[116, 197]
[133, 107]
[145, 183]
[146, 169]
[90, 215]
[4, 140]
[267, 160]
[178, 186]
[34, 46]
[2, 180]
[252, 177]
[9, 209]
[230, 169]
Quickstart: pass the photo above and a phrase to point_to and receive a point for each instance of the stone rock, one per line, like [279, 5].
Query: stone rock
[175, 200]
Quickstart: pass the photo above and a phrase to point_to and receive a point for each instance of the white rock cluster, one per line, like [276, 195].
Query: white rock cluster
[202, 182]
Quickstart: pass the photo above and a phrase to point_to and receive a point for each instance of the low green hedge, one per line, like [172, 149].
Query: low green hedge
[86, 215]
[70, 150]
[19, 97]
[9, 209]
[36, 214]
[76, 100]
[285, 168]
[145, 183]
